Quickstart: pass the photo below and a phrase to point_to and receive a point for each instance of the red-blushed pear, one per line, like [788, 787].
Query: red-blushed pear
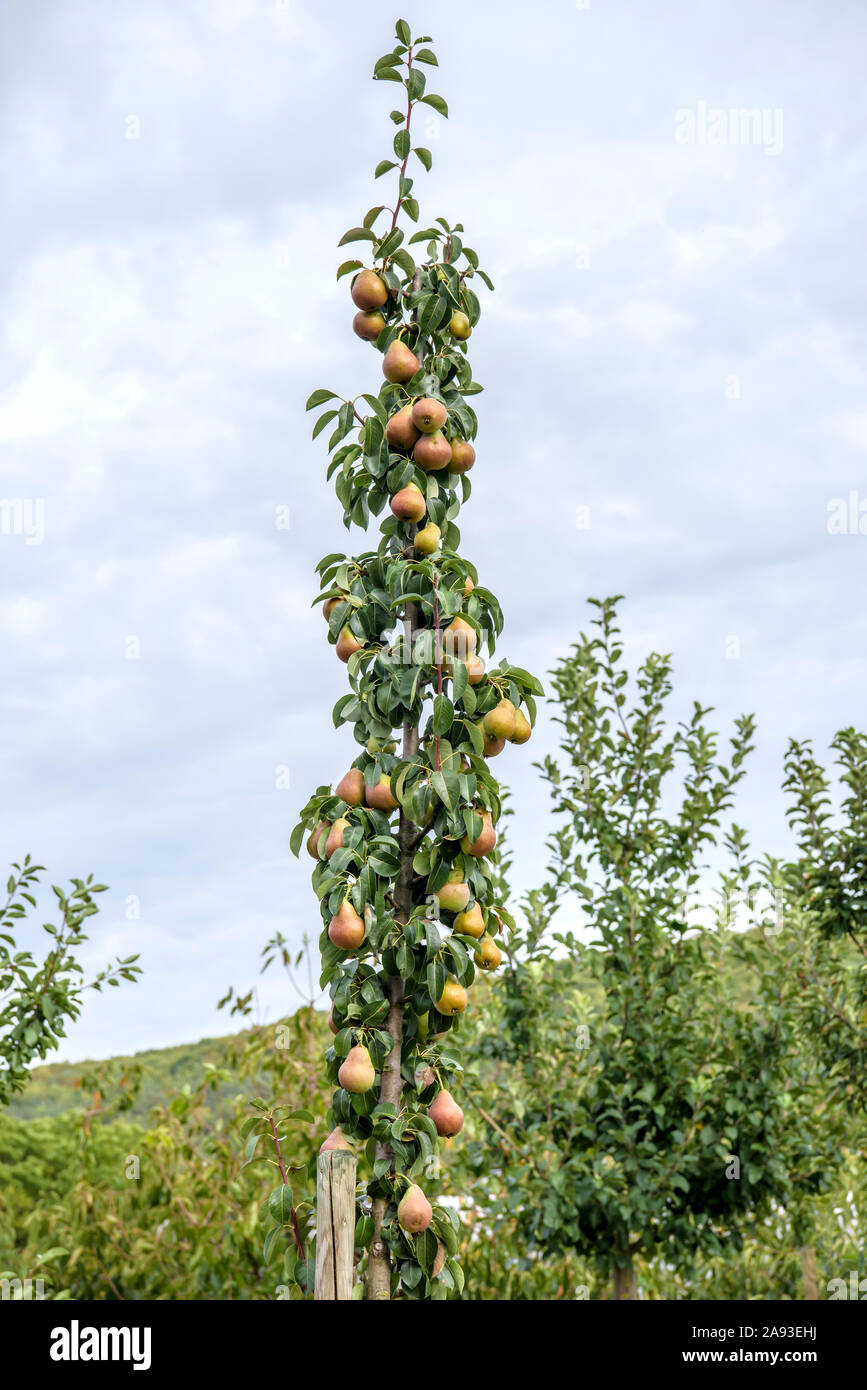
[400, 432]
[427, 540]
[357, 1073]
[485, 841]
[523, 728]
[425, 1076]
[331, 1024]
[492, 746]
[500, 721]
[453, 897]
[439, 1261]
[346, 929]
[447, 1115]
[453, 999]
[368, 325]
[459, 638]
[350, 788]
[414, 1211]
[471, 922]
[347, 644]
[335, 1140]
[475, 669]
[329, 606]
[314, 838]
[409, 504]
[380, 797]
[400, 363]
[368, 290]
[429, 415]
[463, 456]
[335, 837]
[488, 954]
[432, 452]
[460, 326]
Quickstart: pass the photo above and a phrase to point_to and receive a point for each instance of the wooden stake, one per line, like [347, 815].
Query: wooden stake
[335, 1224]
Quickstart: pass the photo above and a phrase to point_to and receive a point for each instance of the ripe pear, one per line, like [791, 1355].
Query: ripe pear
[488, 955]
[427, 540]
[429, 415]
[399, 363]
[314, 838]
[368, 290]
[459, 638]
[414, 1211]
[459, 325]
[447, 1116]
[468, 586]
[523, 728]
[432, 452]
[492, 746]
[329, 606]
[453, 999]
[400, 431]
[380, 797]
[335, 1140]
[500, 721]
[463, 456]
[453, 897]
[346, 929]
[347, 644]
[486, 840]
[335, 837]
[377, 745]
[439, 1261]
[409, 504]
[357, 1073]
[475, 668]
[368, 326]
[331, 1024]
[425, 1076]
[471, 922]
[350, 788]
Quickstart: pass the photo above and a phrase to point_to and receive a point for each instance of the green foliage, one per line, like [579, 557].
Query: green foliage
[38, 997]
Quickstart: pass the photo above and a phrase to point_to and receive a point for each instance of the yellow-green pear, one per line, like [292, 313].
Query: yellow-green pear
[399, 364]
[453, 897]
[429, 415]
[459, 325]
[380, 797]
[427, 540]
[447, 1115]
[488, 954]
[485, 841]
[523, 728]
[453, 999]
[459, 638]
[314, 838]
[471, 922]
[357, 1073]
[346, 929]
[335, 837]
[409, 504]
[500, 721]
[350, 788]
[335, 1140]
[368, 291]
[414, 1211]
[347, 644]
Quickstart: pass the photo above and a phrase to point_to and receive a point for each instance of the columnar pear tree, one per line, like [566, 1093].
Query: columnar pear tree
[406, 893]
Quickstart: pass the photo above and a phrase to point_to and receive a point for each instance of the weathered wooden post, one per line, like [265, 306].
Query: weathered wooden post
[335, 1224]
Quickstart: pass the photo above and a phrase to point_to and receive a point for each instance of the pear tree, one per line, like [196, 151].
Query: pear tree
[400, 845]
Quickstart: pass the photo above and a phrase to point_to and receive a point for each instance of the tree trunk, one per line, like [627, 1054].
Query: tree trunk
[625, 1281]
[809, 1273]
[379, 1263]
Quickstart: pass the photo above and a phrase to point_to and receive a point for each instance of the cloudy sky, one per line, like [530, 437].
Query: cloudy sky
[674, 398]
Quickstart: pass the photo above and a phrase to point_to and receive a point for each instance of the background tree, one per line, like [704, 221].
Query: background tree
[647, 1110]
[39, 997]
[400, 844]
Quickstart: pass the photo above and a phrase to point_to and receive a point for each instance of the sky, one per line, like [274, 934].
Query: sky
[672, 204]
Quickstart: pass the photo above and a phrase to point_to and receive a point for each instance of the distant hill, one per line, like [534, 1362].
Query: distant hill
[56, 1087]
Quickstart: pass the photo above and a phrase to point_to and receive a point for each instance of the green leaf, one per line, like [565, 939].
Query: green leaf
[346, 269]
[357, 234]
[403, 32]
[319, 397]
[280, 1204]
[438, 104]
[424, 155]
[383, 167]
[426, 55]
